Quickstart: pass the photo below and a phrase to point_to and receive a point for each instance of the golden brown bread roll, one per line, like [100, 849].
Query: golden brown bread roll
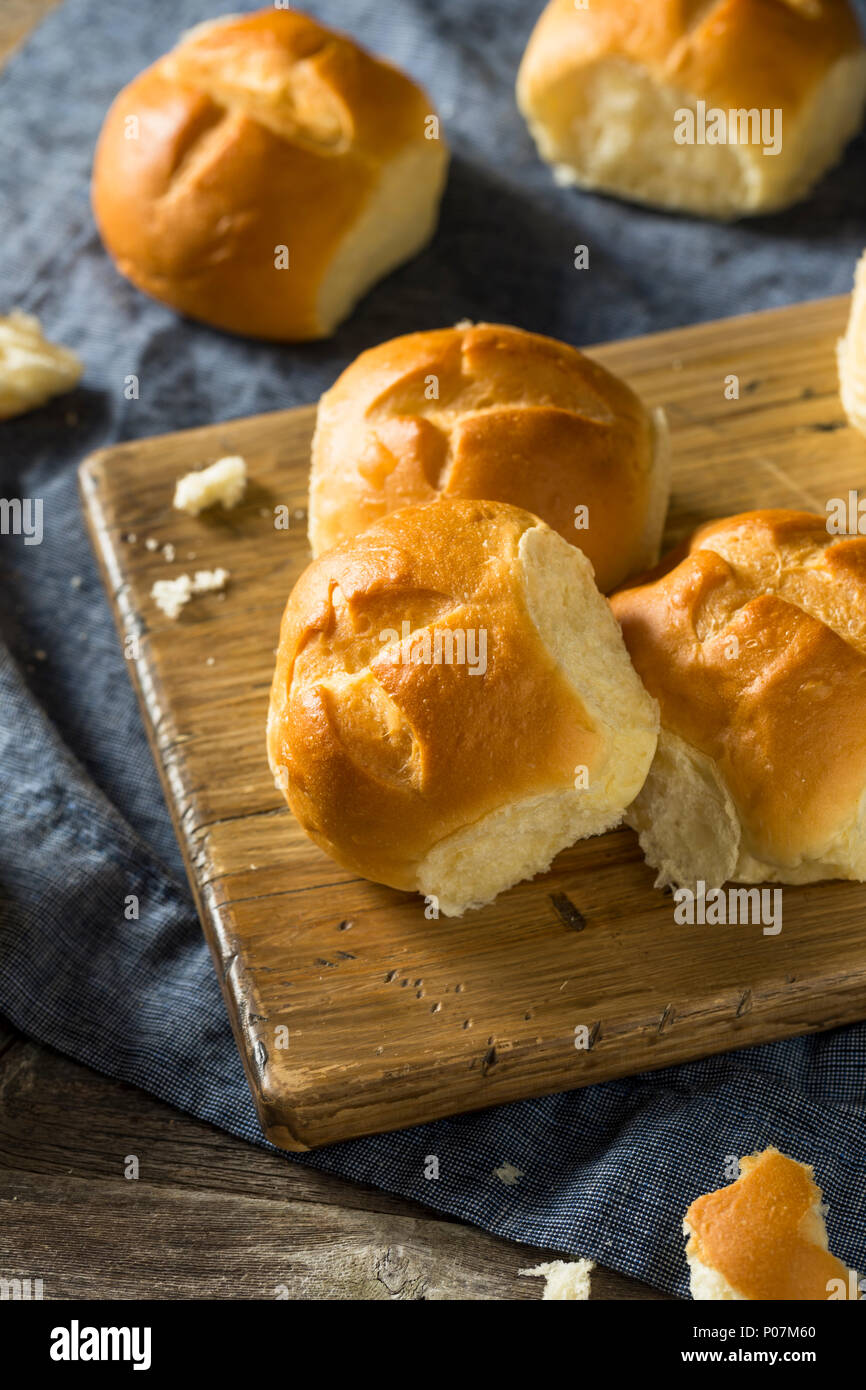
[754, 645]
[622, 96]
[763, 1237]
[265, 173]
[452, 703]
[489, 411]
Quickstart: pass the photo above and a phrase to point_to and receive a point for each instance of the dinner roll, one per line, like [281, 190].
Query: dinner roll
[852, 354]
[754, 645]
[452, 703]
[493, 412]
[725, 109]
[265, 173]
[763, 1237]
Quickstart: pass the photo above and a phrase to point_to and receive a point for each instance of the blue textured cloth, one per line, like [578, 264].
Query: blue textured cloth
[608, 1171]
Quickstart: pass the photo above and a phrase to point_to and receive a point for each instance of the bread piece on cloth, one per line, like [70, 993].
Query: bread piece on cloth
[452, 703]
[602, 88]
[265, 173]
[763, 1237]
[490, 411]
[851, 354]
[32, 369]
[754, 645]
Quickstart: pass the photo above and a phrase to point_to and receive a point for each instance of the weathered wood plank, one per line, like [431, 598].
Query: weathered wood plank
[130, 1242]
[209, 1216]
[18, 18]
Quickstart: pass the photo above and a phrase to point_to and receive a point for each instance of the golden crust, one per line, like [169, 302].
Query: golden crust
[758, 1233]
[754, 645]
[730, 53]
[516, 417]
[255, 132]
[385, 757]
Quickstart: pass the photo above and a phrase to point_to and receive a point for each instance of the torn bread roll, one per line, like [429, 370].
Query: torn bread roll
[265, 173]
[490, 411]
[725, 109]
[754, 645]
[452, 703]
[764, 1237]
[851, 354]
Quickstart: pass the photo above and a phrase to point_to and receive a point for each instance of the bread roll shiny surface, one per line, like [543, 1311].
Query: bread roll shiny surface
[754, 645]
[490, 411]
[455, 778]
[763, 1237]
[602, 87]
[265, 173]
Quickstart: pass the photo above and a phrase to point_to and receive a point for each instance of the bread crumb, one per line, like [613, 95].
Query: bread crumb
[508, 1174]
[167, 552]
[223, 482]
[76, 581]
[170, 595]
[32, 370]
[151, 543]
[207, 581]
[565, 1279]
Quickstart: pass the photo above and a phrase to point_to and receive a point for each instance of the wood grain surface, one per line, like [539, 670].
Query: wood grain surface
[352, 1011]
[211, 1217]
[17, 19]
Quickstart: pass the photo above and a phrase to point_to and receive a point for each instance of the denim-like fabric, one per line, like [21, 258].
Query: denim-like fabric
[608, 1171]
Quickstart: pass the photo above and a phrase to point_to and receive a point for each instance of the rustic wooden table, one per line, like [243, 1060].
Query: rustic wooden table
[208, 1216]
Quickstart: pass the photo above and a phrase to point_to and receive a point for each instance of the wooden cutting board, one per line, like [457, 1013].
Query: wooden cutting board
[353, 1013]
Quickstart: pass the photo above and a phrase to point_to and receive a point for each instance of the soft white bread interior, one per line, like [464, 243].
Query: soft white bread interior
[565, 1281]
[754, 645]
[265, 173]
[452, 703]
[489, 411]
[763, 1237]
[603, 88]
[851, 353]
[32, 369]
